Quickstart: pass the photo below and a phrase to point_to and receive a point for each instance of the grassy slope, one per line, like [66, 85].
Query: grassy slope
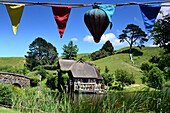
[122, 61]
[11, 61]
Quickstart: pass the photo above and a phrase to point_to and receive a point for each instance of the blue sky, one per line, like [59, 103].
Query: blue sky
[38, 21]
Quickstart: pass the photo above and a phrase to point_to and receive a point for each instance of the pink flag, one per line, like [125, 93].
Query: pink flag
[61, 14]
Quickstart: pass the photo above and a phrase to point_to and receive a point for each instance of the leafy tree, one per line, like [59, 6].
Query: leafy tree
[40, 53]
[133, 35]
[121, 76]
[161, 32]
[167, 73]
[108, 47]
[155, 78]
[108, 78]
[106, 50]
[70, 50]
[25, 70]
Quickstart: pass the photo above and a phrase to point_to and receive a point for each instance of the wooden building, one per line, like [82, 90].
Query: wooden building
[83, 76]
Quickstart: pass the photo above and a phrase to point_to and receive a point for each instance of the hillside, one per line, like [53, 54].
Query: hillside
[11, 61]
[120, 60]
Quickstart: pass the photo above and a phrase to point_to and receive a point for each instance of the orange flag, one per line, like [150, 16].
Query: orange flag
[15, 13]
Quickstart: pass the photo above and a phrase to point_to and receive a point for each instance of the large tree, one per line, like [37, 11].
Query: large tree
[40, 53]
[70, 50]
[161, 32]
[134, 36]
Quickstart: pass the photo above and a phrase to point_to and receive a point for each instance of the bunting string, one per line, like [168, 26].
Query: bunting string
[80, 5]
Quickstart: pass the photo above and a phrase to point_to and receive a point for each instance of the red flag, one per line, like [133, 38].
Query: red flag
[61, 14]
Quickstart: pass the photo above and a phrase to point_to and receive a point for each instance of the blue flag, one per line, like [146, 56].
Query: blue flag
[108, 9]
[149, 14]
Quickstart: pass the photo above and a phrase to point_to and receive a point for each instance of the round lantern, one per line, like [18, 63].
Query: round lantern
[96, 21]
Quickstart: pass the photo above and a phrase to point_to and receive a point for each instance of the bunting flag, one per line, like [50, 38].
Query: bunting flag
[15, 13]
[108, 9]
[149, 14]
[61, 14]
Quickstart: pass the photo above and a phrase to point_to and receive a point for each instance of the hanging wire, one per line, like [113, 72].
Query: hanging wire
[78, 5]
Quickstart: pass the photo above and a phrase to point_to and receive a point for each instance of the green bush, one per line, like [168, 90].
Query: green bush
[155, 78]
[52, 82]
[5, 94]
[34, 81]
[42, 72]
[145, 66]
[64, 78]
[166, 72]
[164, 62]
[108, 78]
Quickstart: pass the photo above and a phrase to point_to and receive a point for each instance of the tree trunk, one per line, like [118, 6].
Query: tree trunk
[130, 53]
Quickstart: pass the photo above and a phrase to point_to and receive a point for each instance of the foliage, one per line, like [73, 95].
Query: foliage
[133, 35]
[5, 94]
[166, 72]
[25, 70]
[106, 69]
[64, 78]
[40, 53]
[164, 61]
[154, 59]
[52, 82]
[124, 77]
[146, 66]
[160, 33]
[42, 72]
[70, 50]
[155, 78]
[111, 103]
[108, 78]
[106, 50]
[34, 81]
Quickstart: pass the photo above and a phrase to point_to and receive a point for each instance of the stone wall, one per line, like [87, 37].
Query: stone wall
[14, 79]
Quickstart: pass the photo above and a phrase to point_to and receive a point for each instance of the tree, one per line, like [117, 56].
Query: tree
[108, 47]
[106, 50]
[40, 53]
[121, 76]
[161, 32]
[155, 78]
[70, 50]
[133, 35]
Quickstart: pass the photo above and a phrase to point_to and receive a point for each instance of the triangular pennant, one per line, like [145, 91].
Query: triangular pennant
[15, 13]
[108, 9]
[61, 15]
[149, 14]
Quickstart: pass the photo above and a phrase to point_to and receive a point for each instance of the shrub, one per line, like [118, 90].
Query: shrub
[164, 62]
[34, 81]
[106, 70]
[167, 73]
[5, 94]
[108, 78]
[64, 78]
[155, 78]
[42, 72]
[145, 66]
[154, 59]
[52, 82]
[25, 70]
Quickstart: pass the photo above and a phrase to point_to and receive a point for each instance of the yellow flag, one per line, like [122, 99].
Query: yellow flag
[15, 13]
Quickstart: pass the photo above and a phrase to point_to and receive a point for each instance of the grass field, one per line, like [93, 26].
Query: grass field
[121, 60]
[11, 61]
[7, 110]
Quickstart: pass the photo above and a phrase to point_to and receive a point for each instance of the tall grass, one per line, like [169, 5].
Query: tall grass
[49, 101]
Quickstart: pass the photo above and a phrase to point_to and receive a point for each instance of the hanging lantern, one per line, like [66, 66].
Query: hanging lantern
[96, 21]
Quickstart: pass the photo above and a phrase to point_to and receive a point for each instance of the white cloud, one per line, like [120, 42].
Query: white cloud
[164, 9]
[104, 38]
[74, 39]
[118, 31]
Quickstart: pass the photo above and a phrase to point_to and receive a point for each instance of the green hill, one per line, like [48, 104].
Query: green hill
[121, 60]
[11, 61]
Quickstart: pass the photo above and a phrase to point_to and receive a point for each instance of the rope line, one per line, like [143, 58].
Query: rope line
[78, 5]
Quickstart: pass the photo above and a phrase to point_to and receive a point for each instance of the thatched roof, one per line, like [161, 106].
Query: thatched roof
[80, 69]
